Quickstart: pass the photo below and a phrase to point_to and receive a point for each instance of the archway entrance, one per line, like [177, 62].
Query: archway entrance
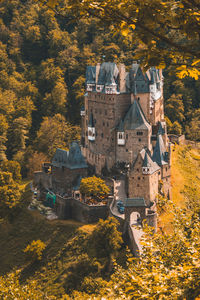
[135, 210]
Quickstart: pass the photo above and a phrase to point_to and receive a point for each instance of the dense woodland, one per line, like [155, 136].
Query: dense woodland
[42, 72]
[43, 58]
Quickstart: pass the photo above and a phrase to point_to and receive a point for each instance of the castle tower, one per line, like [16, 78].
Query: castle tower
[123, 113]
[143, 178]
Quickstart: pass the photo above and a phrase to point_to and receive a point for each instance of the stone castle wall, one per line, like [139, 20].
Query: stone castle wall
[70, 208]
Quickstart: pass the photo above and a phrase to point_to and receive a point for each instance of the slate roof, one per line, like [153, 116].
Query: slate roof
[135, 118]
[91, 121]
[161, 129]
[159, 152]
[139, 81]
[72, 159]
[154, 75]
[91, 75]
[120, 127]
[108, 74]
[134, 202]
[148, 162]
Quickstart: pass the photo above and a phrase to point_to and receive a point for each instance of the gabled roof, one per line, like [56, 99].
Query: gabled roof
[138, 80]
[148, 162]
[134, 202]
[91, 75]
[72, 159]
[159, 151]
[91, 121]
[108, 74]
[135, 118]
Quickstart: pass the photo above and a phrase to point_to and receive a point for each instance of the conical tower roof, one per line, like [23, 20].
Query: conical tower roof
[159, 150]
[135, 118]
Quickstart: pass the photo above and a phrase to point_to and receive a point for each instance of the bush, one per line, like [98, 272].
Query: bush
[35, 250]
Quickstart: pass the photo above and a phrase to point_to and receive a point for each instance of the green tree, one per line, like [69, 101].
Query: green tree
[174, 108]
[55, 133]
[176, 128]
[193, 128]
[94, 187]
[14, 168]
[154, 25]
[107, 240]
[3, 137]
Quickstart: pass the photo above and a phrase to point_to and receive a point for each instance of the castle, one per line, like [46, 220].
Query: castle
[123, 134]
[123, 125]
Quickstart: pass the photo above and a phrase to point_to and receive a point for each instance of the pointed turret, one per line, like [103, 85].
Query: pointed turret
[148, 166]
[159, 152]
[135, 118]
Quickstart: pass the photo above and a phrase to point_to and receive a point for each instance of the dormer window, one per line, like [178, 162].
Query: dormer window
[120, 138]
[146, 170]
[82, 113]
[99, 88]
[91, 133]
[111, 89]
[90, 87]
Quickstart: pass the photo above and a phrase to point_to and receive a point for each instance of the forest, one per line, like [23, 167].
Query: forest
[44, 53]
[42, 73]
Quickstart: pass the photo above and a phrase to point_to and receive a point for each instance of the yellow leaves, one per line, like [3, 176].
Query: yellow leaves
[126, 28]
[184, 71]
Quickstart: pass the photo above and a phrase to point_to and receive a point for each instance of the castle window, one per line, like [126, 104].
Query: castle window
[102, 135]
[139, 140]
[138, 178]
[147, 169]
[126, 150]
[137, 170]
[159, 173]
[139, 133]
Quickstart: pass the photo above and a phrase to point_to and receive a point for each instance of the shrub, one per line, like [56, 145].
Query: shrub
[35, 250]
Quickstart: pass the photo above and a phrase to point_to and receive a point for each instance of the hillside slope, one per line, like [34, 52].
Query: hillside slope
[185, 180]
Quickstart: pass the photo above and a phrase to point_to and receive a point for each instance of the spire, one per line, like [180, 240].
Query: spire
[160, 129]
[91, 121]
[135, 118]
[159, 151]
[146, 162]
